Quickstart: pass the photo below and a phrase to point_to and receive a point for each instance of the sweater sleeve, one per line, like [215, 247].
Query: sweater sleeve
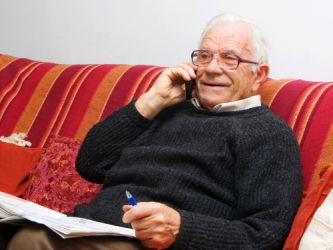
[103, 144]
[268, 185]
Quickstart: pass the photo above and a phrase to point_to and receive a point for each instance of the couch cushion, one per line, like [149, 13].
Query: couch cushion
[55, 183]
[16, 163]
[40, 98]
[311, 202]
[308, 108]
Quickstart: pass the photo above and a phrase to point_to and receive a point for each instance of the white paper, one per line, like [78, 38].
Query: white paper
[14, 209]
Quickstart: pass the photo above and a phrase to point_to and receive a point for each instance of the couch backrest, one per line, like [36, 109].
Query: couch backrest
[42, 99]
[308, 109]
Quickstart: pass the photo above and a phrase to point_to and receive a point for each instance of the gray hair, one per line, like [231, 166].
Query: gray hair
[259, 42]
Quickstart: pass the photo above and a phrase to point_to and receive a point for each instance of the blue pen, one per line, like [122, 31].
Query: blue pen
[130, 198]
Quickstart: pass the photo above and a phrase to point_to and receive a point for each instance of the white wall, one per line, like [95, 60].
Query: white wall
[164, 32]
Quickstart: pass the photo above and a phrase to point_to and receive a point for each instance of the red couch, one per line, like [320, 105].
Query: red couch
[47, 99]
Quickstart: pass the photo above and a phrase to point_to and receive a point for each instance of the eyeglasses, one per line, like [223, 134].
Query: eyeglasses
[227, 61]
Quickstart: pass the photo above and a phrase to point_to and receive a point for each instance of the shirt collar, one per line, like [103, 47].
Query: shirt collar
[247, 103]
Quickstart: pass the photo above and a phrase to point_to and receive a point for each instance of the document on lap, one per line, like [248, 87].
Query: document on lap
[15, 210]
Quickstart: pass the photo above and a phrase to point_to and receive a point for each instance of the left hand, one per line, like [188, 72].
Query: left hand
[156, 225]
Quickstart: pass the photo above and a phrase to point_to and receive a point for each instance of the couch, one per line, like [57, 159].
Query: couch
[48, 100]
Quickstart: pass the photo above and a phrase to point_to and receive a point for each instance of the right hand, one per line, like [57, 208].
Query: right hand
[156, 225]
[167, 90]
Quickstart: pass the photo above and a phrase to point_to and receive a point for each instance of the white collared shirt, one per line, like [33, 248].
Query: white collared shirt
[247, 103]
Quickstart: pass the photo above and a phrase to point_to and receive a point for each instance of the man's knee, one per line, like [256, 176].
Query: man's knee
[31, 237]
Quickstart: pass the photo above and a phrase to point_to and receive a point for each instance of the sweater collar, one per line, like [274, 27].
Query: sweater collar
[247, 103]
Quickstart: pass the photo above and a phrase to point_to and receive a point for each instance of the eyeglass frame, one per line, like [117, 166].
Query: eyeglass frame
[239, 59]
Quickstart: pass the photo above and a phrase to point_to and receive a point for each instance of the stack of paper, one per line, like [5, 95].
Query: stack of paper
[16, 210]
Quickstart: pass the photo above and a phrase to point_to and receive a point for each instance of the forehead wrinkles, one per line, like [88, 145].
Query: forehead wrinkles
[222, 39]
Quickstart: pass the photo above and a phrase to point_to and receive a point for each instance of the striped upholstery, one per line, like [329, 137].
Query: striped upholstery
[308, 108]
[42, 99]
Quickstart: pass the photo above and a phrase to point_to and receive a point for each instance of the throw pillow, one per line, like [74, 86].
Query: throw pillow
[318, 234]
[55, 183]
[16, 163]
[311, 202]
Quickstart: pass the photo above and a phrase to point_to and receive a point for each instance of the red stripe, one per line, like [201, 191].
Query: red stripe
[315, 134]
[67, 99]
[71, 94]
[14, 85]
[146, 81]
[143, 84]
[10, 72]
[50, 105]
[286, 98]
[16, 107]
[123, 88]
[83, 98]
[307, 105]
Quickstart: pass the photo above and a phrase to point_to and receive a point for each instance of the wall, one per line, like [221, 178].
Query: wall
[164, 32]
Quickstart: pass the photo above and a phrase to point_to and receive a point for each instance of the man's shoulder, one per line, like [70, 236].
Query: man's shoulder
[263, 121]
[275, 120]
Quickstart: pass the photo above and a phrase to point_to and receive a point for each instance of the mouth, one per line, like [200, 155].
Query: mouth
[214, 84]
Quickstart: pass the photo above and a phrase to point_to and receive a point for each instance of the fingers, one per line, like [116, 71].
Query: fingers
[178, 75]
[184, 71]
[155, 220]
[127, 208]
[137, 212]
[189, 67]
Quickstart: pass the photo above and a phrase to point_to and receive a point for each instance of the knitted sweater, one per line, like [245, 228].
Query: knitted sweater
[235, 177]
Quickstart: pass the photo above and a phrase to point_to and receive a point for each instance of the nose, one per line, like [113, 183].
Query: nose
[213, 66]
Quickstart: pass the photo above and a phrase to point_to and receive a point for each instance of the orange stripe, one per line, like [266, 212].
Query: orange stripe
[18, 84]
[6, 60]
[37, 99]
[100, 99]
[271, 88]
[299, 104]
[326, 157]
[307, 113]
[72, 97]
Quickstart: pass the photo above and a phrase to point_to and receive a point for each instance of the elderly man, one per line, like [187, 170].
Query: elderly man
[218, 172]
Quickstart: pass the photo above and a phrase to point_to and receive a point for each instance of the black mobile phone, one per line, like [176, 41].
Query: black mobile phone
[189, 86]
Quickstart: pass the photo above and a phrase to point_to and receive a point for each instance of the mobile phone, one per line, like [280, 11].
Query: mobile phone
[189, 86]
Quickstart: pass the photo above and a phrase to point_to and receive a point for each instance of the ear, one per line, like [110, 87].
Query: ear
[260, 76]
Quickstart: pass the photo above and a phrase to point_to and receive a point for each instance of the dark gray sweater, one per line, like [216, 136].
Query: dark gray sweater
[235, 177]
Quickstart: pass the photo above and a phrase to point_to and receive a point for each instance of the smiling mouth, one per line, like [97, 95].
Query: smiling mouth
[210, 84]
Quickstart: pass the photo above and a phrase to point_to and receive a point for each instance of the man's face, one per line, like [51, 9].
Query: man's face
[216, 85]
